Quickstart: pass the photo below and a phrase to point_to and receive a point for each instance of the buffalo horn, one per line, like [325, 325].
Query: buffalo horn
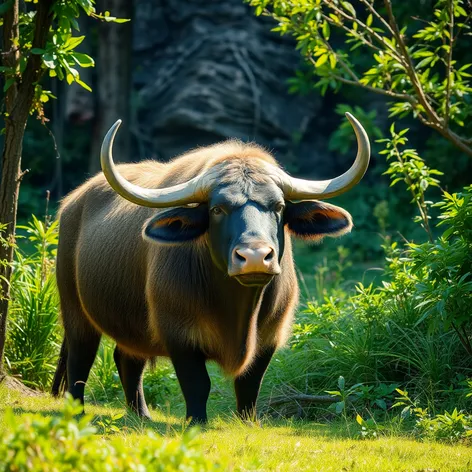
[192, 191]
[301, 189]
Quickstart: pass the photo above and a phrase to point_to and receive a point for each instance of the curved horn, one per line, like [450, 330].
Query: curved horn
[193, 191]
[300, 189]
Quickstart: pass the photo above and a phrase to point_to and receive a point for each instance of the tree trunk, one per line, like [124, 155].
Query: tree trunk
[114, 80]
[10, 180]
[18, 101]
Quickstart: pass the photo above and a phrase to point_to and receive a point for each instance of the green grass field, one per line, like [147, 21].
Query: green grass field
[269, 445]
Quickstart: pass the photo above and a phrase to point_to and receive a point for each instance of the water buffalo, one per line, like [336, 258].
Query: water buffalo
[191, 260]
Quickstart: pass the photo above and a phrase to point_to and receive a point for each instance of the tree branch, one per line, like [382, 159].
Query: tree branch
[461, 26]
[350, 31]
[388, 93]
[363, 26]
[344, 65]
[449, 64]
[409, 66]
[303, 398]
[378, 15]
[33, 69]
[461, 143]
[11, 53]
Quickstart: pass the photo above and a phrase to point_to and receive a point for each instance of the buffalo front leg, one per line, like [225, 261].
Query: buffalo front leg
[190, 368]
[247, 385]
[131, 371]
[81, 354]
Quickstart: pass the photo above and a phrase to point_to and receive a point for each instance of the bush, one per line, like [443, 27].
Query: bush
[413, 331]
[67, 443]
[443, 427]
[33, 333]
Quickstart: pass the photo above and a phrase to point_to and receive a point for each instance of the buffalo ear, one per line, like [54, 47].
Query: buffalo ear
[313, 220]
[178, 225]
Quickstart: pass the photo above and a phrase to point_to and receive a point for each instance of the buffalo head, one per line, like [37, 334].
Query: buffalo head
[240, 208]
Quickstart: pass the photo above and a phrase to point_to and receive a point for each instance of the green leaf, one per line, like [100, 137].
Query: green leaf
[424, 62]
[321, 60]
[49, 60]
[8, 83]
[326, 30]
[350, 8]
[381, 403]
[369, 20]
[459, 11]
[83, 60]
[83, 85]
[111, 19]
[73, 42]
[332, 60]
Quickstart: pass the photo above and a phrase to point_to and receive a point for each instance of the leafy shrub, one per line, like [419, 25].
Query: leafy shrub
[445, 426]
[160, 384]
[33, 334]
[414, 329]
[443, 269]
[68, 443]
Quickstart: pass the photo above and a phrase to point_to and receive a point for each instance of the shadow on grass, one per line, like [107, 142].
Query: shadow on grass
[169, 420]
[110, 422]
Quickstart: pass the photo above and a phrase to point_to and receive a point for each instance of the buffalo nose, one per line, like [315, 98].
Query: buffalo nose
[257, 259]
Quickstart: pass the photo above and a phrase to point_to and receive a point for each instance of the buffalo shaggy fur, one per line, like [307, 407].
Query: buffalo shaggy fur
[170, 299]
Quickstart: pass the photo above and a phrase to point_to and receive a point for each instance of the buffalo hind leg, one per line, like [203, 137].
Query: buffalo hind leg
[131, 374]
[81, 354]
[247, 385]
[190, 368]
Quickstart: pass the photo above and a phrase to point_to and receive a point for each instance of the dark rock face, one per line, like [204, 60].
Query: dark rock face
[206, 70]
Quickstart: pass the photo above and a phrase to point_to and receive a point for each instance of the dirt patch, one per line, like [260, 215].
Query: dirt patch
[15, 384]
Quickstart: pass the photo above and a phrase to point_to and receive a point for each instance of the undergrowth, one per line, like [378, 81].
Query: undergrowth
[363, 345]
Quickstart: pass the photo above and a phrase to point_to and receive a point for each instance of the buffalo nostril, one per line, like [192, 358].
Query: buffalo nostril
[269, 256]
[239, 257]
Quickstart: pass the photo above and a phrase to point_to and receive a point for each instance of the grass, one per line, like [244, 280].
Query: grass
[269, 445]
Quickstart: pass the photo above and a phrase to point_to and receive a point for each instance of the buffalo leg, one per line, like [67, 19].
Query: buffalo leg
[81, 354]
[190, 368]
[247, 386]
[131, 375]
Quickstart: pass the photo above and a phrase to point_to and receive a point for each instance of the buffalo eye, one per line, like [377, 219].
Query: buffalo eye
[279, 207]
[216, 210]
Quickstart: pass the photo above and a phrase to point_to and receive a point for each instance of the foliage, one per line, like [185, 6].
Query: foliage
[33, 335]
[445, 426]
[68, 442]
[278, 445]
[104, 382]
[443, 269]
[418, 71]
[161, 386]
[406, 165]
[412, 330]
[58, 56]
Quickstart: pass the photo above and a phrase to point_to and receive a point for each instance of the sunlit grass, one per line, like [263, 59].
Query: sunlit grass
[269, 445]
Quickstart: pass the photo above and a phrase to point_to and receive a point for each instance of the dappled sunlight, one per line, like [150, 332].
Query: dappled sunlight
[267, 443]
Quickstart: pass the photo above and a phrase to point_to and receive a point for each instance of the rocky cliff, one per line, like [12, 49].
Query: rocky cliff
[209, 70]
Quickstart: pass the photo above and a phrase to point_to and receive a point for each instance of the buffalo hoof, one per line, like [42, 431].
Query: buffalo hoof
[200, 422]
[142, 413]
